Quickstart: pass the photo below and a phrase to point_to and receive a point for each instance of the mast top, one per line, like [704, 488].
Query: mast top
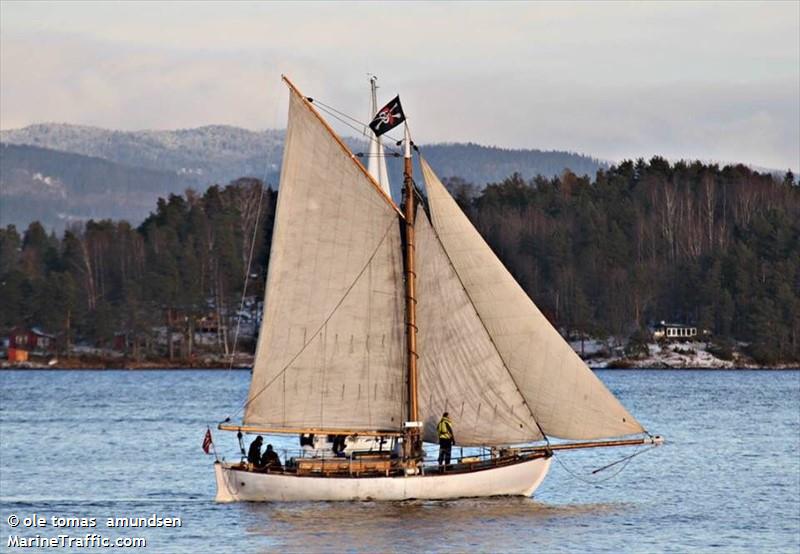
[407, 145]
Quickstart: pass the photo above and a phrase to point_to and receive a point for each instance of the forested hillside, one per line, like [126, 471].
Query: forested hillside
[213, 153]
[57, 188]
[691, 243]
[644, 241]
[481, 164]
[58, 173]
[106, 277]
[219, 153]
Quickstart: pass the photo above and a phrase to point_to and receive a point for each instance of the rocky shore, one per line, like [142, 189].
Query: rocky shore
[674, 355]
[101, 363]
[598, 355]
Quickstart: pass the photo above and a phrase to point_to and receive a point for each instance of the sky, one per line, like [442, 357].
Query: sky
[684, 80]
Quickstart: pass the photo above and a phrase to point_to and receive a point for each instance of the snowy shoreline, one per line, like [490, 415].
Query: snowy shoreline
[667, 355]
[598, 354]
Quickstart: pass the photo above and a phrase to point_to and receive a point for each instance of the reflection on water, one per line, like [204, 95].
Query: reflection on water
[127, 443]
[505, 523]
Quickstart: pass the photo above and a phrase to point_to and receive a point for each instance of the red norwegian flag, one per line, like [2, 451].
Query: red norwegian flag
[207, 442]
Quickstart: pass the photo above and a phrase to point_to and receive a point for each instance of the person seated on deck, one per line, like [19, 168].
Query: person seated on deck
[254, 453]
[270, 460]
[338, 445]
[446, 439]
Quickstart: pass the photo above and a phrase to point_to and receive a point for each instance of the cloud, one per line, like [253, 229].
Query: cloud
[704, 80]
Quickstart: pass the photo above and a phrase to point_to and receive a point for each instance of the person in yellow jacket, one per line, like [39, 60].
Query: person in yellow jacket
[446, 439]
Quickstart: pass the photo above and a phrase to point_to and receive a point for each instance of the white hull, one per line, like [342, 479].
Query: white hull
[519, 479]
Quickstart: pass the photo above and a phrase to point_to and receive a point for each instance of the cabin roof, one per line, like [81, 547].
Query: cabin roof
[675, 325]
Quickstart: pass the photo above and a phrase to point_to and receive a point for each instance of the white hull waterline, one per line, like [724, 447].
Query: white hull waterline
[519, 479]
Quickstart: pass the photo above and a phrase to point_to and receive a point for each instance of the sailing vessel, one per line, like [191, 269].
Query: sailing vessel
[378, 319]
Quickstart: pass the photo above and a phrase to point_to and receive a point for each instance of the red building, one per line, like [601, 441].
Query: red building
[23, 341]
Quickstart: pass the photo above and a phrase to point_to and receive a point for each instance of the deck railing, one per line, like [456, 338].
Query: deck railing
[463, 459]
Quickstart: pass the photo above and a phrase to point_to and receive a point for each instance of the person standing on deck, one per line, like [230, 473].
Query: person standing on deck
[254, 453]
[446, 439]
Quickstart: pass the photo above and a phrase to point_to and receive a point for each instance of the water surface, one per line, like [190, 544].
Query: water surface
[127, 443]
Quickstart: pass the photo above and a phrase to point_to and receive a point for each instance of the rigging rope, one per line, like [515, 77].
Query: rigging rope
[341, 116]
[247, 273]
[624, 461]
[248, 269]
[351, 118]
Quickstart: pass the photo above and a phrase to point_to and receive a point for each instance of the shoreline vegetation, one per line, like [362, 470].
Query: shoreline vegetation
[664, 356]
[713, 248]
[154, 366]
[103, 364]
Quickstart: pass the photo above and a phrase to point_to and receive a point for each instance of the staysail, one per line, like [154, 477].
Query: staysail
[460, 370]
[561, 393]
[331, 349]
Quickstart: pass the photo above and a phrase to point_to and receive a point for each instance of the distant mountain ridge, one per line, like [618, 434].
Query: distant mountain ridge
[488, 164]
[101, 173]
[220, 153]
[57, 188]
[215, 153]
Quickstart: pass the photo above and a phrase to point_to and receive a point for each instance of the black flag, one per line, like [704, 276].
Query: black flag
[388, 117]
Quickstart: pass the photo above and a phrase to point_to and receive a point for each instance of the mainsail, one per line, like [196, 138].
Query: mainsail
[561, 393]
[331, 348]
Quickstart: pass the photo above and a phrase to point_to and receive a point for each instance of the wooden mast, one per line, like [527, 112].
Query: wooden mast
[411, 444]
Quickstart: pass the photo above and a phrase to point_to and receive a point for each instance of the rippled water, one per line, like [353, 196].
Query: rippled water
[127, 443]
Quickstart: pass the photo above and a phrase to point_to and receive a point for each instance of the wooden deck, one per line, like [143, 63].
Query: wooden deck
[339, 466]
[382, 465]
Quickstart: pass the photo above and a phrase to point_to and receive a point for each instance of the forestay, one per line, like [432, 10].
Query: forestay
[331, 350]
[566, 399]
